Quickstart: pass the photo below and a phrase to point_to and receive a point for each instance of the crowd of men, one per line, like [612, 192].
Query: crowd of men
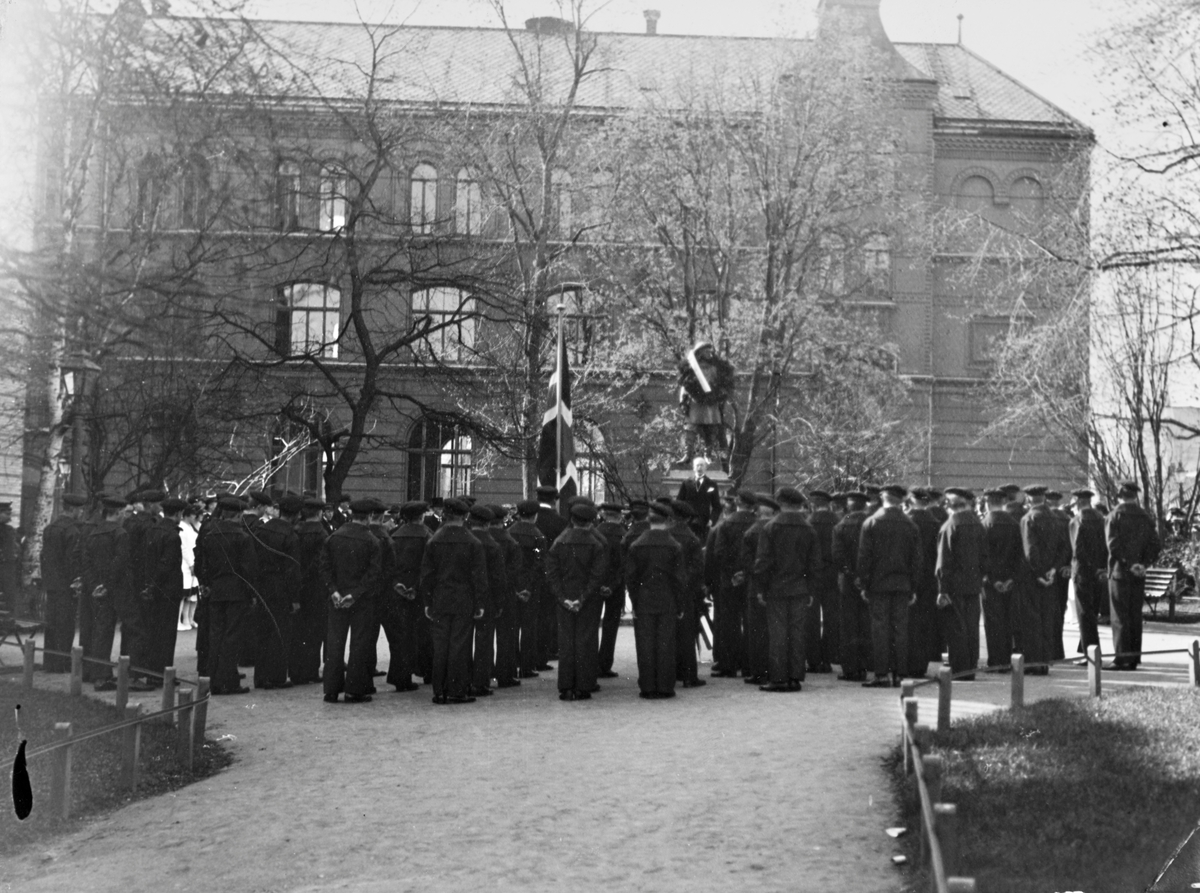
[879, 582]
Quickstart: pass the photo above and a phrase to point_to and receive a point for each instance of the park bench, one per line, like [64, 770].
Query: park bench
[1160, 583]
[16, 631]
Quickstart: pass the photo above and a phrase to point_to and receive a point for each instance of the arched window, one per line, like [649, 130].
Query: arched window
[423, 198]
[148, 196]
[560, 204]
[975, 194]
[287, 196]
[309, 320]
[1026, 199]
[877, 264]
[451, 313]
[333, 198]
[830, 267]
[439, 460]
[468, 204]
[194, 193]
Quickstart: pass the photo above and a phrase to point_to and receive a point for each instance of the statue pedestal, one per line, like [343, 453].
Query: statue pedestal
[677, 476]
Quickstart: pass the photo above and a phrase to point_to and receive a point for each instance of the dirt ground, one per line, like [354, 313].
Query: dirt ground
[724, 788]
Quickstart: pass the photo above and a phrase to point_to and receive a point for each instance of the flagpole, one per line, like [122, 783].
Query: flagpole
[558, 416]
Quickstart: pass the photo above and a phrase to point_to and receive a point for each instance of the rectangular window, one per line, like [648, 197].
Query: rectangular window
[310, 320]
[451, 337]
[986, 336]
[468, 205]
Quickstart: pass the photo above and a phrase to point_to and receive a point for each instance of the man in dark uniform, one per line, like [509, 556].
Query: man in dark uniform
[105, 574]
[454, 591]
[1044, 547]
[1089, 567]
[575, 569]
[134, 608]
[786, 563]
[508, 615]
[351, 567]
[227, 569]
[686, 631]
[379, 523]
[1062, 583]
[654, 577]
[10, 577]
[1004, 576]
[62, 576]
[613, 532]
[855, 614]
[924, 627]
[484, 656]
[712, 581]
[874, 501]
[702, 494]
[729, 602]
[403, 620]
[756, 612]
[529, 585]
[163, 557]
[936, 508]
[277, 547]
[311, 618]
[823, 624]
[551, 524]
[961, 559]
[1133, 546]
[1015, 505]
[889, 564]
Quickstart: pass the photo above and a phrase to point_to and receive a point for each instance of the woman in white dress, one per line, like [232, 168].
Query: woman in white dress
[187, 535]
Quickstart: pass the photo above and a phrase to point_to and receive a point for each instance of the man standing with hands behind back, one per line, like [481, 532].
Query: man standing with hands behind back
[1133, 546]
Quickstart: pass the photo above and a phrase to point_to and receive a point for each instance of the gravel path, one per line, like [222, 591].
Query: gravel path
[722, 789]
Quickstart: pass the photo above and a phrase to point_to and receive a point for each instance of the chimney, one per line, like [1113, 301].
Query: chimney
[549, 25]
[652, 17]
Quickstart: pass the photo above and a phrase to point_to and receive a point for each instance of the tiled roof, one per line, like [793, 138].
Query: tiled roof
[971, 88]
[475, 66]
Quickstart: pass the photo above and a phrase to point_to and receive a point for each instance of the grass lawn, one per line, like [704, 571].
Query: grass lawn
[1071, 794]
[95, 763]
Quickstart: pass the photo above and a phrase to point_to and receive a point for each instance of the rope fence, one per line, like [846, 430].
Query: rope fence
[186, 710]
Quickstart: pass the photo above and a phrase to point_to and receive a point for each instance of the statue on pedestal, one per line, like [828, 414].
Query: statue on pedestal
[705, 386]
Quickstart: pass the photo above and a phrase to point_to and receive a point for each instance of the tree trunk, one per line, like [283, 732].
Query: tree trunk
[43, 508]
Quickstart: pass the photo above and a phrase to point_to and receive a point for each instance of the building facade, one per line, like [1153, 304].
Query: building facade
[364, 237]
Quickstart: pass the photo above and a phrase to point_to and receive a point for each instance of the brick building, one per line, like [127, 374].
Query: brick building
[972, 139]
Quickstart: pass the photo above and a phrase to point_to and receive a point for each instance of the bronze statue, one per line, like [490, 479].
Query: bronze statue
[705, 386]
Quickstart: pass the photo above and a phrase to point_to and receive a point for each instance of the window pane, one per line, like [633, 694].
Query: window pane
[467, 204]
[333, 199]
[287, 195]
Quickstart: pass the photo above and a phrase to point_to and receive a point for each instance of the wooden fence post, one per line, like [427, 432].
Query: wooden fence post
[131, 748]
[944, 692]
[27, 653]
[911, 708]
[933, 783]
[201, 718]
[60, 773]
[945, 819]
[168, 695]
[77, 670]
[1195, 668]
[1018, 682]
[122, 683]
[1093, 654]
[185, 737]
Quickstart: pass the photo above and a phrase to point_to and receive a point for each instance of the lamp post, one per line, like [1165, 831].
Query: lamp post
[78, 366]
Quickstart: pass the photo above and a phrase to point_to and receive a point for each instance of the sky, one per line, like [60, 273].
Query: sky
[1042, 43]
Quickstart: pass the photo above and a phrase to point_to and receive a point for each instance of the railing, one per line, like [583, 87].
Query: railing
[939, 840]
[189, 716]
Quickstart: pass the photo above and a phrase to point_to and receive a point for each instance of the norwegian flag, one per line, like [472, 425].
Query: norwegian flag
[556, 447]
